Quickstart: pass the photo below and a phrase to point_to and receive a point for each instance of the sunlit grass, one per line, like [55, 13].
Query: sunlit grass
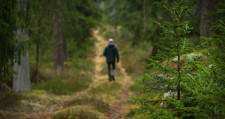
[62, 86]
[107, 91]
[76, 76]
[37, 100]
[99, 104]
[78, 112]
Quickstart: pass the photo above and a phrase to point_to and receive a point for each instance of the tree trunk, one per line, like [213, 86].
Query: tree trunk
[65, 49]
[144, 15]
[206, 26]
[21, 80]
[37, 51]
[37, 61]
[59, 52]
[65, 46]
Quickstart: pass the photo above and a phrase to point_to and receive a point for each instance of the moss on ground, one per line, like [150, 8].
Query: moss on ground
[78, 112]
[97, 103]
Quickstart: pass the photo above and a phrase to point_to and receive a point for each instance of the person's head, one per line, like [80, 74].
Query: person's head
[110, 40]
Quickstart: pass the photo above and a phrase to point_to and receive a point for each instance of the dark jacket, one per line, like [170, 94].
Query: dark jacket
[111, 53]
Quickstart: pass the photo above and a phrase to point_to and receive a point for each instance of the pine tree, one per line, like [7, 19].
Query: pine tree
[168, 74]
[199, 79]
[8, 24]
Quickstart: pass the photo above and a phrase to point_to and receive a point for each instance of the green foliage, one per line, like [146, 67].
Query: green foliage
[217, 52]
[78, 19]
[129, 60]
[76, 77]
[11, 19]
[137, 21]
[200, 77]
[131, 18]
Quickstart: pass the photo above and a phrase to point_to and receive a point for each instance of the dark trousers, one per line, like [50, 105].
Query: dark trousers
[111, 74]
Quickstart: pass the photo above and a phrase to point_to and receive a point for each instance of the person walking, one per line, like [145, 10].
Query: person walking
[112, 55]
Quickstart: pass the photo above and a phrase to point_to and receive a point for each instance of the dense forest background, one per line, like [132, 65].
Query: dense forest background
[172, 51]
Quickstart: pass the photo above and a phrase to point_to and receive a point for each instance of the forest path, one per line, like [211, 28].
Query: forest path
[117, 109]
[98, 60]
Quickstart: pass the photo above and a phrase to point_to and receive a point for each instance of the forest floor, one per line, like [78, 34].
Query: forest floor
[115, 94]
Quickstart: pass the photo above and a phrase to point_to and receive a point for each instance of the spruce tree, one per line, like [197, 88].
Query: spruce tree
[198, 78]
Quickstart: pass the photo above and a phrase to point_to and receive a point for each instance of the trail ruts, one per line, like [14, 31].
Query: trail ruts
[117, 111]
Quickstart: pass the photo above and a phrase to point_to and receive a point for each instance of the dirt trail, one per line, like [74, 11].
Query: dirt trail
[117, 110]
[99, 59]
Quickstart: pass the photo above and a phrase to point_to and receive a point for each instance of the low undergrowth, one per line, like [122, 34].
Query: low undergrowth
[99, 104]
[78, 112]
[62, 86]
[37, 100]
[134, 57]
[110, 88]
[75, 77]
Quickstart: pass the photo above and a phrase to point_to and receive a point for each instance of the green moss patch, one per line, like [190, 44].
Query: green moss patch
[99, 104]
[78, 112]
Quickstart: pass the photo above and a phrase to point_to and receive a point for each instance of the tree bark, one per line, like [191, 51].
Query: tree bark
[144, 15]
[37, 52]
[65, 49]
[65, 46]
[206, 26]
[21, 80]
[59, 50]
[37, 61]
